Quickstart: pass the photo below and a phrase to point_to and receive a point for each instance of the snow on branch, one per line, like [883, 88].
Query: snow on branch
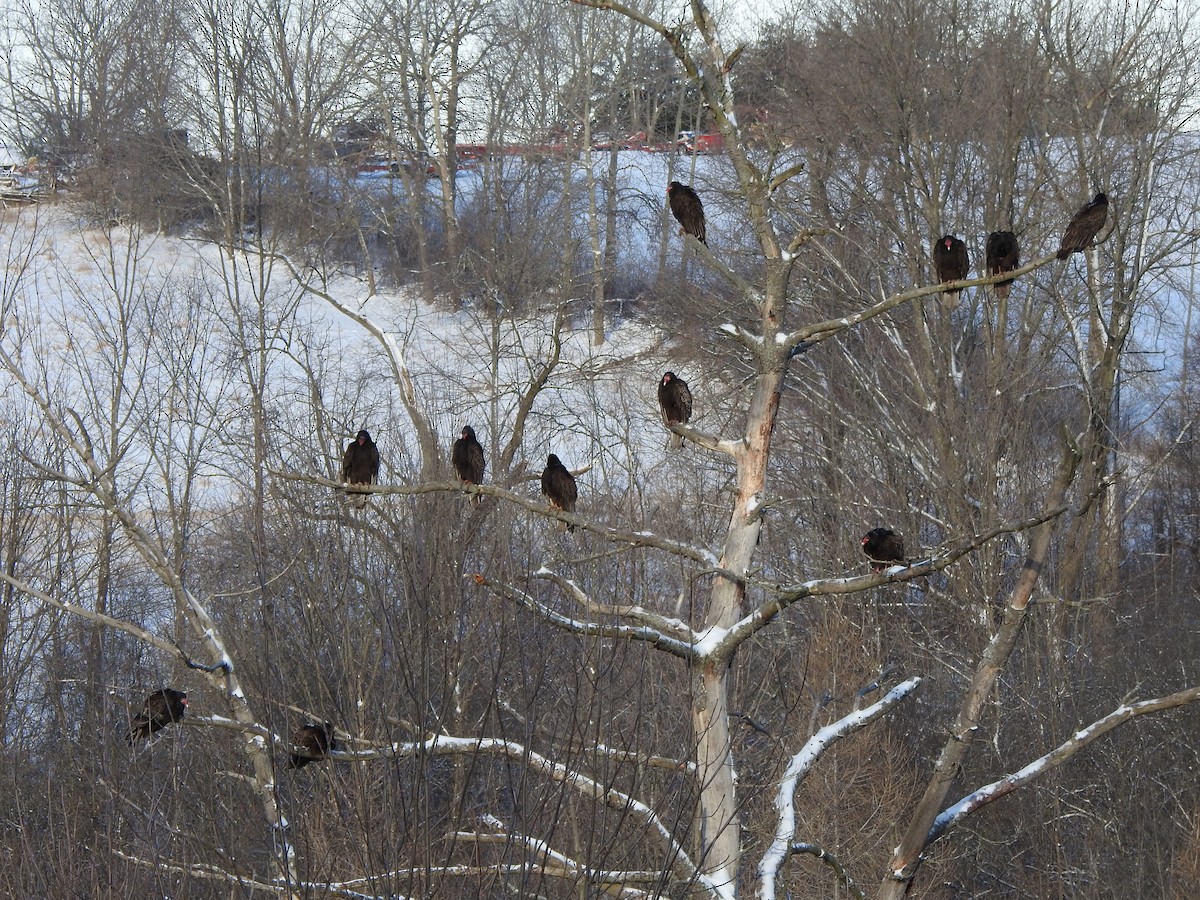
[681, 863]
[281, 887]
[786, 595]
[803, 338]
[697, 554]
[746, 338]
[706, 440]
[799, 767]
[1055, 758]
[220, 671]
[100, 618]
[670, 643]
[677, 627]
[549, 862]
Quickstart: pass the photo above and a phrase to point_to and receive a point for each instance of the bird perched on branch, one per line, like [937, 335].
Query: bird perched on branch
[160, 709]
[360, 465]
[468, 461]
[951, 264]
[687, 208]
[314, 742]
[1003, 255]
[559, 487]
[1084, 226]
[883, 548]
[675, 399]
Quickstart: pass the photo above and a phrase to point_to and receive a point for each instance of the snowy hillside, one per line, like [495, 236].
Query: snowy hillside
[144, 332]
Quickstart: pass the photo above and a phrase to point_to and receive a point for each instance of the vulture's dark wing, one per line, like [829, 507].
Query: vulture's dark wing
[950, 259]
[360, 464]
[883, 547]
[1084, 226]
[951, 264]
[159, 710]
[675, 398]
[1003, 255]
[467, 457]
[314, 743]
[559, 486]
[688, 210]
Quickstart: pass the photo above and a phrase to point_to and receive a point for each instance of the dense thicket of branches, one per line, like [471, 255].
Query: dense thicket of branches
[190, 334]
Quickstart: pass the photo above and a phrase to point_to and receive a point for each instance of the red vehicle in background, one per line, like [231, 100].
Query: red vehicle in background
[691, 142]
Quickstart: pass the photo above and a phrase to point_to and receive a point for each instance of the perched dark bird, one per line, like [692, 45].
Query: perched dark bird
[883, 548]
[1084, 227]
[951, 263]
[158, 711]
[687, 208]
[676, 401]
[467, 457]
[1003, 255]
[559, 486]
[314, 743]
[360, 465]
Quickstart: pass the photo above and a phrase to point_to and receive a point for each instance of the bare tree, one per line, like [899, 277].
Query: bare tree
[704, 689]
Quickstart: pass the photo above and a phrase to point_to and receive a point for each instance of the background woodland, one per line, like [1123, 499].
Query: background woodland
[703, 692]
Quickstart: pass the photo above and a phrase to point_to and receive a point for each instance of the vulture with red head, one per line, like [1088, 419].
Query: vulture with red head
[160, 709]
[468, 461]
[883, 548]
[675, 399]
[559, 486]
[360, 466]
[1084, 227]
[951, 264]
[1003, 255]
[687, 208]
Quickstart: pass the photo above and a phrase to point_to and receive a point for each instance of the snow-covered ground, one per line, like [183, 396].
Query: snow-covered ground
[152, 340]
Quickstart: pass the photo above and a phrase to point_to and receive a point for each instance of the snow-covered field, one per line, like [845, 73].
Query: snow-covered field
[158, 344]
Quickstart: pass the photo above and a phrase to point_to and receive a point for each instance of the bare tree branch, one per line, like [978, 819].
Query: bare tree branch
[558, 864]
[907, 856]
[633, 538]
[670, 643]
[808, 335]
[799, 767]
[441, 745]
[207, 872]
[834, 863]
[981, 797]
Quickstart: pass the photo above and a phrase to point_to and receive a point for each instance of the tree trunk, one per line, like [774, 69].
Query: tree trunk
[907, 858]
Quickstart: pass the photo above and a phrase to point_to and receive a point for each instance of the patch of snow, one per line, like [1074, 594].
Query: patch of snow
[707, 641]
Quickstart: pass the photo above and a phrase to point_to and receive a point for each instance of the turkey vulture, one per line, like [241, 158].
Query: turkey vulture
[1003, 255]
[360, 464]
[883, 548]
[676, 402]
[687, 208]
[314, 742]
[559, 486]
[158, 711]
[950, 261]
[1084, 227]
[467, 457]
